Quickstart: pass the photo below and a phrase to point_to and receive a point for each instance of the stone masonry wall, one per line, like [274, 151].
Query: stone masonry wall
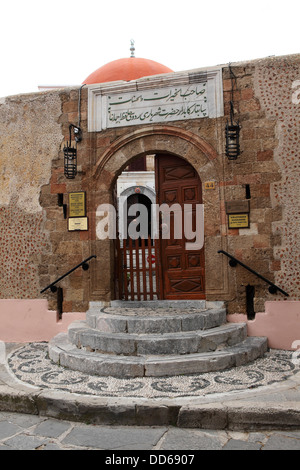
[256, 171]
[67, 248]
[277, 84]
[36, 246]
[269, 164]
[30, 137]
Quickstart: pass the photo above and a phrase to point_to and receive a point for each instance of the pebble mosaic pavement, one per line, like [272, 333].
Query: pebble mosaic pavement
[30, 364]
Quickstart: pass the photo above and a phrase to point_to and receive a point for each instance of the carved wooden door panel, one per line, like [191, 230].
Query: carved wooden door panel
[182, 270]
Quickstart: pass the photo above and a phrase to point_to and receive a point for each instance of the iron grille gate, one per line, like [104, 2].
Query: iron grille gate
[138, 267]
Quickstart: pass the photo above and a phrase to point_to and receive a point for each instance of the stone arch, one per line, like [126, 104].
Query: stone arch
[144, 190]
[157, 139]
[148, 192]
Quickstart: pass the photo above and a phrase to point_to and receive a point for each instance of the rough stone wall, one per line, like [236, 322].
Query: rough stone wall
[277, 84]
[30, 138]
[269, 164]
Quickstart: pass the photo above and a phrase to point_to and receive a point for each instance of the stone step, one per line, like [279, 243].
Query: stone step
[179, 342]
[63, 352]
[155, 339]
[154, 320]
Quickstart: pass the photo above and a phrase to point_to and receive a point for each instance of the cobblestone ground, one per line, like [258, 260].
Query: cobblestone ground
[30, 432]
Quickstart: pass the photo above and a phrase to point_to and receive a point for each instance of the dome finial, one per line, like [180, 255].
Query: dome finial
[132, 48]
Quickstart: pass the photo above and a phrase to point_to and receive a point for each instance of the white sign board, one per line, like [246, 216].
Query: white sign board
[141, 102]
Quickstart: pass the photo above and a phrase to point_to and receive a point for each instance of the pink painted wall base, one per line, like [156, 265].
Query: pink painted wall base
[24, 321]
[280, 323]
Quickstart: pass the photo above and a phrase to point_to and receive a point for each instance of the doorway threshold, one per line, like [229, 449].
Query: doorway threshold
[200, 304]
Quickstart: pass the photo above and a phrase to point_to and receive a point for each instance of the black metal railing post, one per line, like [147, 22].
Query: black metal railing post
[234, 261]
[84, 264]
[60, 300]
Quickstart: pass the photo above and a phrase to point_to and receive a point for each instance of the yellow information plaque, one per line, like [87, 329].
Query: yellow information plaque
[77, 223]
[77, 204]
[209, 185]
[238, 220]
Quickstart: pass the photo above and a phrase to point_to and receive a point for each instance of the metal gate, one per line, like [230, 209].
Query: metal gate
[137, 273]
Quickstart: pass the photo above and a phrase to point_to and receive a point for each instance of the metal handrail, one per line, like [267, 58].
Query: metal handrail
[234, 261]
[84, 265]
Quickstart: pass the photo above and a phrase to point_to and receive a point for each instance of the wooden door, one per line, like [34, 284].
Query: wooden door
[182, 270]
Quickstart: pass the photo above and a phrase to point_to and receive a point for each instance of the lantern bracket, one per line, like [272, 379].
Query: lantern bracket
[232, 129]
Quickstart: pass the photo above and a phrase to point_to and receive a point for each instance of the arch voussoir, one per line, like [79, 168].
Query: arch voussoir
[154, 139]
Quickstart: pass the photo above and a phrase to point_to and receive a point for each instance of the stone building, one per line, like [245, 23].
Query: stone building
[134, 111]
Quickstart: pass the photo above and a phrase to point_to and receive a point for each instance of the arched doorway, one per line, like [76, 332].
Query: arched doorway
[167, 263]
[159, 140]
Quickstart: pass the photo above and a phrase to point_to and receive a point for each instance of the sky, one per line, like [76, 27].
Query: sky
[61, 42]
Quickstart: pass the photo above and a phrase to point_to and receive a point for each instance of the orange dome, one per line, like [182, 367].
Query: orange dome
[128, 69]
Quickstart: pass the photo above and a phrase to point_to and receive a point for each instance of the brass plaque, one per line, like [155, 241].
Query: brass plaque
[237, 207]
[77, 204]
[238, 221]
[77, 223]
[209, 185]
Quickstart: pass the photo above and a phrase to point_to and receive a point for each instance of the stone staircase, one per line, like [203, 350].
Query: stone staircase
[155, 339]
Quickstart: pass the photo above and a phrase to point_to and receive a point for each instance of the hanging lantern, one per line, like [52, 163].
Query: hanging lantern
[232, 133]
[70, 161]
[70, 153]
